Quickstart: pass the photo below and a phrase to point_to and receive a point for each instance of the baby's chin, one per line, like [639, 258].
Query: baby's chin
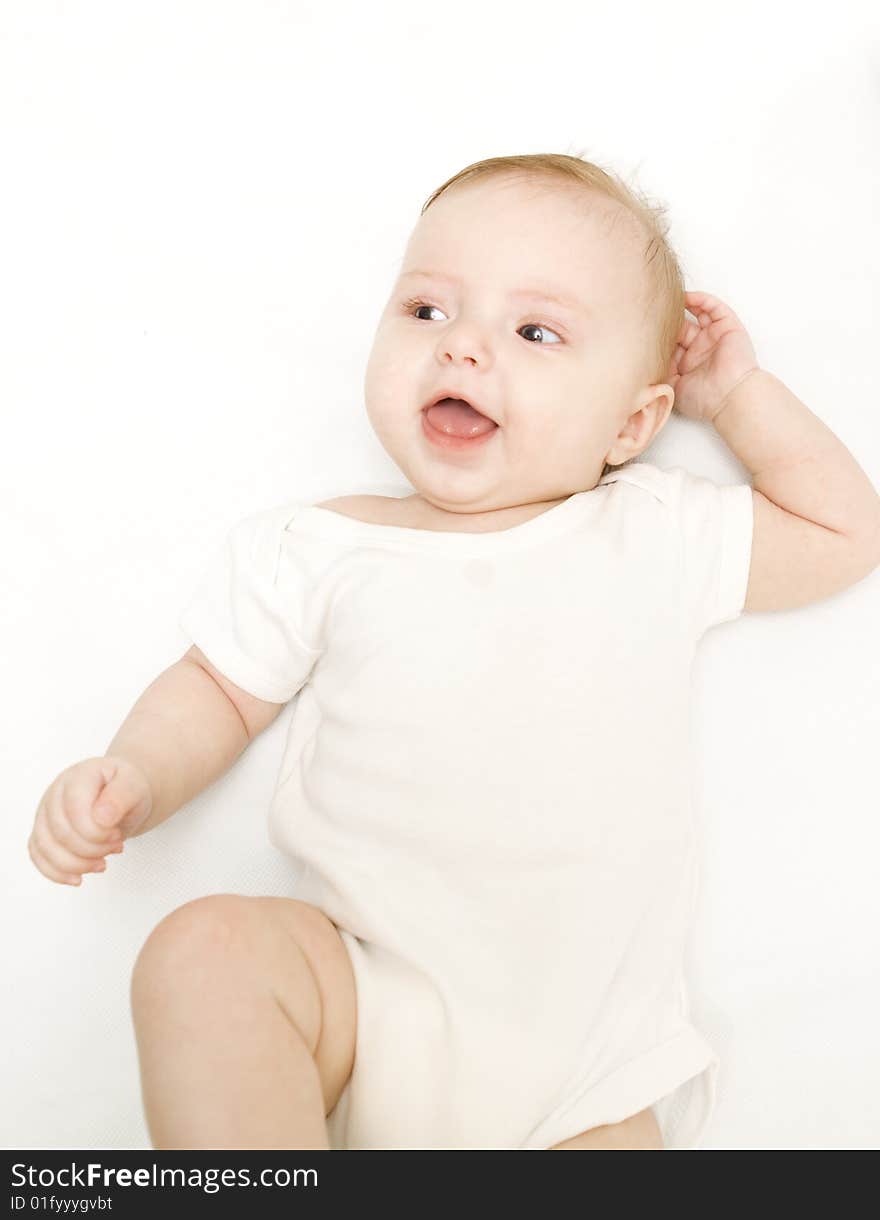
[502, 501]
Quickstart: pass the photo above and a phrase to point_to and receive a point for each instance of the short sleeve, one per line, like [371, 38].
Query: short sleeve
[247, 611]
[714, 523]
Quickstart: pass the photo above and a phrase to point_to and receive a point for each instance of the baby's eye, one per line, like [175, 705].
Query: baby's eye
[413, 307]
[544, 330]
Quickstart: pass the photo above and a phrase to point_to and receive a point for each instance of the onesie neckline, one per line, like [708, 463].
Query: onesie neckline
[326, 523]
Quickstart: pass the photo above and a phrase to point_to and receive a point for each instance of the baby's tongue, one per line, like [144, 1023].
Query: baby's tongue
[456, 418]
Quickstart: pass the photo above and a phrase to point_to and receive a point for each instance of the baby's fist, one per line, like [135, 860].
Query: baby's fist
[85, 814]
[125, 800]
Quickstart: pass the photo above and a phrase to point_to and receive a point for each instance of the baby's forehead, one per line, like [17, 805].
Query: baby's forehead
[598, 256]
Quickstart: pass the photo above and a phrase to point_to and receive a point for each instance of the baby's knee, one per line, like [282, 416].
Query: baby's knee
[190, 939]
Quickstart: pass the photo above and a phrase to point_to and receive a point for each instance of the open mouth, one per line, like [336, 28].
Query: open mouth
[457, 419]
[454, 425]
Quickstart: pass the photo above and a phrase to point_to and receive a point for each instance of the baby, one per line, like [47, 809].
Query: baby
[485, 785]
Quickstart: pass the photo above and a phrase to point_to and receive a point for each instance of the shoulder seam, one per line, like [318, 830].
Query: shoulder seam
[648, 477]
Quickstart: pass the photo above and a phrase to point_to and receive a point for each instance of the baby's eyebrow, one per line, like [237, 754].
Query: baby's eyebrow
[535, 293]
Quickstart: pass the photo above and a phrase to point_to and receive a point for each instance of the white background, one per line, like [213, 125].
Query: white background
[203, 208]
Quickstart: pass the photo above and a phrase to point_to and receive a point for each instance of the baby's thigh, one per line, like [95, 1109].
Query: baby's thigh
[318, 939]
[283, 944]
[639, 1131]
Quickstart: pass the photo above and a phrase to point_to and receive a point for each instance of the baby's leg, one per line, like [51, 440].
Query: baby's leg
[639, 1131]
[245, 1019]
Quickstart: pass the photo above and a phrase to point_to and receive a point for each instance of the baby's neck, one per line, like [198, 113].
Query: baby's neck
[421, 514]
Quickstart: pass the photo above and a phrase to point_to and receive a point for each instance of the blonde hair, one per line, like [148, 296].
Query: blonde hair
[664, 279]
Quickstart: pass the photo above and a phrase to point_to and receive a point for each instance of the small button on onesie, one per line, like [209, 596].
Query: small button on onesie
[458, 794]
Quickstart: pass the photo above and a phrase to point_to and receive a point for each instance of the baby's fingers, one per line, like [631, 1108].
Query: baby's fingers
[61, 856]
[49, 865]
[59, 821]
[71, 815]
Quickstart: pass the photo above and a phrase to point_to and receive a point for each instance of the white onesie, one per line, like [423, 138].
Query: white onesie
[486, 787]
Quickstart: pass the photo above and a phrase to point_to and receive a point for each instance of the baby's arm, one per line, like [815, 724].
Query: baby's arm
[816, 513]
[816, 518]
[186, 730]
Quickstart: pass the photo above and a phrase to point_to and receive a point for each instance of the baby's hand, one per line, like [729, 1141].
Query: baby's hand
[72, 832]
[714, 354]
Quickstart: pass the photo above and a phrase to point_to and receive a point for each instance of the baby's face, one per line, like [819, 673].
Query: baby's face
[564, 382]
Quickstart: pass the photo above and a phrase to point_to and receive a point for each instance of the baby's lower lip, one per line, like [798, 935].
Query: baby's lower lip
[444, 441]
